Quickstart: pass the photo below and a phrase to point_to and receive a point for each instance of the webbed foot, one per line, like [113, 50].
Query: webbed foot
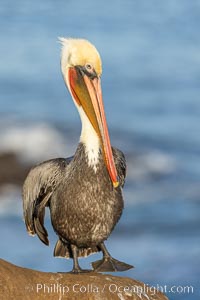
[110, 264]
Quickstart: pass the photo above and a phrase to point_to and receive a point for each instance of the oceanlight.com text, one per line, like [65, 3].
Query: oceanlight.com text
[112, 288]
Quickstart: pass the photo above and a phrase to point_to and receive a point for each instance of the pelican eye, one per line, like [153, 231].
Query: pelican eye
[89, 70]
[88, 67]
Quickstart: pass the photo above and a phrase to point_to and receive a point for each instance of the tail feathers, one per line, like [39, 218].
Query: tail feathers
[63, 249]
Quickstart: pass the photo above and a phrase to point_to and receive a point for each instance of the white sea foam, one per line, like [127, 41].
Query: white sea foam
[34, 142]
[153, 163]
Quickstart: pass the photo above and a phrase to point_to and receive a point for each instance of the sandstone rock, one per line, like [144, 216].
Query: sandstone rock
[20, 283]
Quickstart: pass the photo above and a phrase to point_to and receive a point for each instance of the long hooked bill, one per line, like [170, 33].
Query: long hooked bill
[87, 93]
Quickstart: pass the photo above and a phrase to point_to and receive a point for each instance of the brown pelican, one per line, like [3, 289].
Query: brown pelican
[83, 192]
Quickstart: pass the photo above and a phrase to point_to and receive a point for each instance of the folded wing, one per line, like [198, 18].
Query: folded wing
[38, 188]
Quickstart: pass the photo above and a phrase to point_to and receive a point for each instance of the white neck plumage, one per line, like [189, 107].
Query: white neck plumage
[90, 139]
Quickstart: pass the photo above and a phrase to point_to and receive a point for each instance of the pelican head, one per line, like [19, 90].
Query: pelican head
[81, 68]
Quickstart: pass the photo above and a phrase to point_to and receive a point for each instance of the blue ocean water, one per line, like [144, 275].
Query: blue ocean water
[151, 72]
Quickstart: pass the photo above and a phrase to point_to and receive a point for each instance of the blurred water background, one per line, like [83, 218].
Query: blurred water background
[151, 75]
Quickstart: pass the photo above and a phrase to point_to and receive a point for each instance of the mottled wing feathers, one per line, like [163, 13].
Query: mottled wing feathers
[39, 185]
[38, 218]
[120, 163]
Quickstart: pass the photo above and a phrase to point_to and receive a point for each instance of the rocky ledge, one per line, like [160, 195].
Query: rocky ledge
[20, 283]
